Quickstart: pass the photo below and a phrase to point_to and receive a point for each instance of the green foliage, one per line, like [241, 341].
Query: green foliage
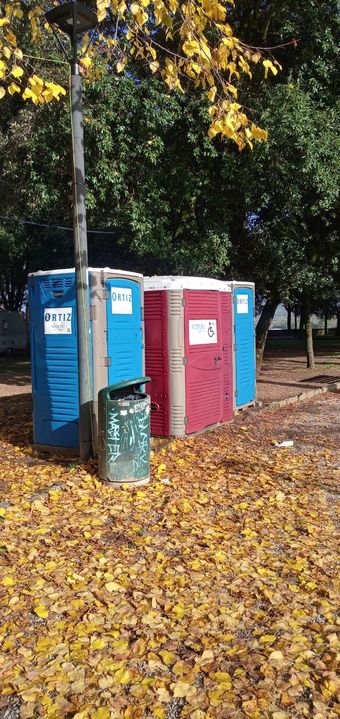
[173, 200]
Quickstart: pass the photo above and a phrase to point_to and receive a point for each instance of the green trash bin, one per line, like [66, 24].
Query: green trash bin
[124, 433]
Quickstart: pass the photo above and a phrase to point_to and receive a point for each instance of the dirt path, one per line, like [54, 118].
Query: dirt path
[284, 372]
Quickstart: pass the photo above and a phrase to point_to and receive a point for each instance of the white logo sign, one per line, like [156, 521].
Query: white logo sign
[202, 332]
[242, 304]
[121, 301]
[58, 321]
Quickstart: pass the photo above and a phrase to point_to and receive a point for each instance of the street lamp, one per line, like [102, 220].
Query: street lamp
[73, 18]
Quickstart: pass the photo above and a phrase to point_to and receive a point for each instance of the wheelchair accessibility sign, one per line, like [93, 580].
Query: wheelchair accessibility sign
[202, 332]
[58, 321]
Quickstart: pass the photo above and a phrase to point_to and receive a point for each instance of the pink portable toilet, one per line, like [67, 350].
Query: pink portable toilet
[188, 353]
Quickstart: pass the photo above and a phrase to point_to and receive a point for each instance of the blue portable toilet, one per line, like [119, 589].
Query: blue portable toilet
[244, 344]
[117, 352]
[117, 313]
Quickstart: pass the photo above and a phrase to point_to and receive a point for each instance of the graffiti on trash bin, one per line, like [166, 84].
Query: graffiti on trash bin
[142, 457]
[128, 433]
[113, 437]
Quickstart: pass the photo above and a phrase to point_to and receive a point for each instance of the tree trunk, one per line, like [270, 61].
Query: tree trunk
[326, 326]
[289, 320]
[262, 329]
[306, 312]
[302, 325]
[337, 331]
[309, 343]
[295, 322]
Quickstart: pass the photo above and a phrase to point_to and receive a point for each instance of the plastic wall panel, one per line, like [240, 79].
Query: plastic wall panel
[177, 360]
[157, 359]
[244, 344]
[204, 367]
[54, 360]
[113, 368]
[227, 353]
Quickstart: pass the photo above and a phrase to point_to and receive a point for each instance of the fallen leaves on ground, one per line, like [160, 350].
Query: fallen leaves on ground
[209, 593]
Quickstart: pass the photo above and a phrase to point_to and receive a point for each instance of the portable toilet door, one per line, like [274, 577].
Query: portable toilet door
[159, 357]
[117, 329]
[244, 344]
[208, 367]
[188, 330]
[54, 355]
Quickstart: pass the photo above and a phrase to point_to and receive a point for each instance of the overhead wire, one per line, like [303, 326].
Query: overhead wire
[54, 227]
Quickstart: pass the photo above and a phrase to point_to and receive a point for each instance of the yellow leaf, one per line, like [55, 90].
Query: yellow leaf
[207, 656]
[293, 588]
[27, 710]
[86, 61]
[8, 581]
[17, 71]
[12, 88]
[191, 47]
[212, 94]
[168, 657]
[179, 611]
[268, 65]
[277, 659]
[41, 611]
[101, 713]
[267, 638]
[221, 676]
[2, 512]
[13, 601]
[159, 712]
[112, 586]
[98, 644]
[311, 585]
[181, 689]
[123, 676]
[195, 564]
[221, 556]
[179, 668]
[249, 533]
[215, 697]
[163, 695]
[105, 682]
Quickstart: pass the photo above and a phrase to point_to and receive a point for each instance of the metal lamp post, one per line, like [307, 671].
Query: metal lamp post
[74, 18]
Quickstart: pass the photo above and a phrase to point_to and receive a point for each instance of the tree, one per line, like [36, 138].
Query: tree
[155, 182]
[291, 245]
[286, 239]
[185, 42]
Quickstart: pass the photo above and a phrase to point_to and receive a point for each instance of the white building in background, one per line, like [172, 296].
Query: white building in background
[13, 331]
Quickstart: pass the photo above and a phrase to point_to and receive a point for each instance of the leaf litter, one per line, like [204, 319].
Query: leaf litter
[213, 594]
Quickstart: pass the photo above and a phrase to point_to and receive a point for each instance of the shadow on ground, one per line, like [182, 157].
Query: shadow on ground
[15, 372]
[16, 419]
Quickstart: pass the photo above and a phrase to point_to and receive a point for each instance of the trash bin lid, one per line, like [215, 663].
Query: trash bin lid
[123, 385]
